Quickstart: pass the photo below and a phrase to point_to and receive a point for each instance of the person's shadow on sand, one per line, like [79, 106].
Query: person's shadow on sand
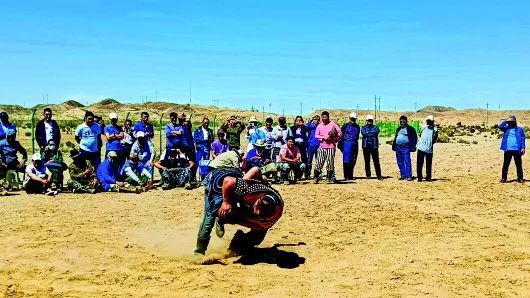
[272, 255]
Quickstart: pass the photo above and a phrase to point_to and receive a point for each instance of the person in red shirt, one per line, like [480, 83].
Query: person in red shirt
[234, 198]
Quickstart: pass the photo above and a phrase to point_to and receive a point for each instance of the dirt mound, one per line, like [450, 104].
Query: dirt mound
[436, 109]
[108, 103]
[73, 104]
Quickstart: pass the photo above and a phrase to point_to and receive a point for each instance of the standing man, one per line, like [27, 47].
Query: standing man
[145, 126]
[268, 130]
[329, 134]
[370, 134]
[128, 139]
[203, 136]
[349, 145]
[114, 134]
[254, 134]
[88, 136]
[312, 143]
[513, 144]
[233, 129]
[281, 132]
[404, 143]
[428, 136]
[47, 129]
[173, 132]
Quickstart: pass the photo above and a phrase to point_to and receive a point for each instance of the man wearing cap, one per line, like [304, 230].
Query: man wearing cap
[349, 145]
[290, 160]
[233, 129]
[82, 175]
[114, 134]
[108, 174]
[231, 159]
[175, 169]
[144, 126]
[38, 177]
[405, 141]
[329, 134]
[220, 145]
[254, 134]
[428, 136]
[233, 198]
[144, 148]
[370, 143]
[47, 129]
[87, 135]
[258, 156]
[312, 143]
[514, 145]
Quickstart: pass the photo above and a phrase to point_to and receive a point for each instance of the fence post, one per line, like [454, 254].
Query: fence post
[214, 125]
[127, 117]
[33, 130]
[161, 129]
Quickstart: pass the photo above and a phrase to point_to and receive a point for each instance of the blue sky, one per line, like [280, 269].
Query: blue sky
[330, 54]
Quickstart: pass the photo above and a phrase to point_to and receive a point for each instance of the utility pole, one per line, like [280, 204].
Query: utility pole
[415, 107]
[487, 113]
[263, 113]
[156, 94]
[301, 109]
[379, 99]
[357, 110]
[190, 97]
[375, 107]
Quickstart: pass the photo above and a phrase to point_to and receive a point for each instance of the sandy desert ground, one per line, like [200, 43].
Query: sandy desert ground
[464, 234]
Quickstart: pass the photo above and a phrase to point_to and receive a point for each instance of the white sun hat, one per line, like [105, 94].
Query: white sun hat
[430, 117]
[113, 116]
[370, 117]
[35, 157]
[353, 115]
[140, 134]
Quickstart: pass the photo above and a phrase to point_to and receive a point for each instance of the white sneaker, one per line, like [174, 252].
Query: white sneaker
[50, 192]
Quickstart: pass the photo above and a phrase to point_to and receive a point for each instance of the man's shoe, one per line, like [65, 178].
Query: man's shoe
[219, 228]
[420, 179]
[202, 245]
[520, 180]
[285, 182]
[503, 180]
[409, 179]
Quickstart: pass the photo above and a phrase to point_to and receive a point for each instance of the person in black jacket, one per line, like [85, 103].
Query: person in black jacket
[404, 143]
[300, 133]
[47, 129]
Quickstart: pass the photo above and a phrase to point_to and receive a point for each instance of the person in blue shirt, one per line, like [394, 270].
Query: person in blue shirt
[203, 136]
[145, 149]
[144, 126]
[108, 174]
[258, 156]
[136, 173]
[514, 145]
[9, 156]
[187, 144]
[370, 144]
[254, 133]
[404, 143]
[300, 133]
[312, 144]
[88, 136]
[349, 145]
[173, 132]
[114, 134]
[6, 128]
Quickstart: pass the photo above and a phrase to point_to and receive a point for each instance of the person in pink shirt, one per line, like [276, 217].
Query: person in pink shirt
[290, 160]
[329, 134]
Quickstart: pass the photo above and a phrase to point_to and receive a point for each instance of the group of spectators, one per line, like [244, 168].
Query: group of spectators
[285, 154]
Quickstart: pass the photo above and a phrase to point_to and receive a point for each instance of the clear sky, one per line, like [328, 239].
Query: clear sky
[330, 54]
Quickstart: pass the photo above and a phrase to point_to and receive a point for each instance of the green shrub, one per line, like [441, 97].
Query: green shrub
[462, 141]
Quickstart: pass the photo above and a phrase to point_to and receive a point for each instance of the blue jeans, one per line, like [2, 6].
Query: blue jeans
[403, 161]
[93, 157]
[311, 153]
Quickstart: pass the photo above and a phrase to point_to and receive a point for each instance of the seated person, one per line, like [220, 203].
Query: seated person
[136, 173]
[145, 150]
[53, 160]
[220, 145]
[175, 169]
[109, 176]
[9, 160]
[38, 177]
[231, 159]
[290, 160]
[82, 175]
[260, 157]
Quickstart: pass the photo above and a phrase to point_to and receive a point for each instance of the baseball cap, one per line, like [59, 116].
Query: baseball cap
[260, 143]
[112, 154]
[353, 115]
[140, 134]
[35, 157]
[316, 117]
[370, 117]
[430, 118]
[512, 118]
[113, 116]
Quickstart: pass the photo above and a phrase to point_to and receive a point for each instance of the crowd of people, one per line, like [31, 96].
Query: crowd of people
[284, 153]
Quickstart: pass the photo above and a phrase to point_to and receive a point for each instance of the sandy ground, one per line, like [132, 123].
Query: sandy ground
[464, 234]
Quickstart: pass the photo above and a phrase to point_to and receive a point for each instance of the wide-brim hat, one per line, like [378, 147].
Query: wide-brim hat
[260, 143]
[252, 119]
